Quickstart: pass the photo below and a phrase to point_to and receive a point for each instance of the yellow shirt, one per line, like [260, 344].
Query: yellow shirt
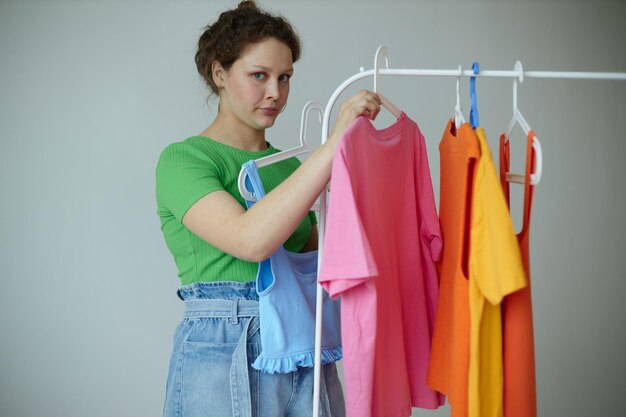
[495, 269]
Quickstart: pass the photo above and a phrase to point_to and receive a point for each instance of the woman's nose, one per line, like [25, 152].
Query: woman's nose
[272, 90]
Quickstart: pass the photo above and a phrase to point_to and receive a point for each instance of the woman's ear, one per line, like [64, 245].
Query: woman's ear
[218, 74]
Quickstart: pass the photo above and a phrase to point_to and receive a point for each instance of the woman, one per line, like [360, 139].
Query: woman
[246, 59]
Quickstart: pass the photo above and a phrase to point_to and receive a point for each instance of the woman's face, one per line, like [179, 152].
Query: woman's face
[256, 86]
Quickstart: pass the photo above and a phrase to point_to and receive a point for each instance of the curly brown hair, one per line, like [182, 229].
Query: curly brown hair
[234, 30]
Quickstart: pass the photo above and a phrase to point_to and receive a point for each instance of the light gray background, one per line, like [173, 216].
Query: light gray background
[91, 92]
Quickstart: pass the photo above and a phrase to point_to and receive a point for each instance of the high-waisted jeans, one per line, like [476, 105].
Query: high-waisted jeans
[209, 370]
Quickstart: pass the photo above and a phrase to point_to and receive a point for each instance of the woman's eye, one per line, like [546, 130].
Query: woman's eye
[258, 75]
[284, 77]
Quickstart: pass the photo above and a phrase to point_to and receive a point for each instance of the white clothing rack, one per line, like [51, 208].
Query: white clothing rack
[382, 50]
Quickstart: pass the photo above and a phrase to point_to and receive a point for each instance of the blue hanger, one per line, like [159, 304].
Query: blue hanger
[474, 111]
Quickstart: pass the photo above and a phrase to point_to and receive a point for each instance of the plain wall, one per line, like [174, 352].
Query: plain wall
[91, 92]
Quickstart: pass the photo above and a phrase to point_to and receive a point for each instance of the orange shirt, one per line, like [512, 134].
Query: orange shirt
[496, 270]
[449, 362]
[520, 394]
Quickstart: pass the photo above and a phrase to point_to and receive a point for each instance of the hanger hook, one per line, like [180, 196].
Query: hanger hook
[308, 107]
[520, 76]
[458, 87]
[474, 120]
[384, 51]
[520, 70]
[458, 113]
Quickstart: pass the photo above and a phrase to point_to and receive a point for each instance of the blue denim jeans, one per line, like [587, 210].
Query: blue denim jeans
[210, 372]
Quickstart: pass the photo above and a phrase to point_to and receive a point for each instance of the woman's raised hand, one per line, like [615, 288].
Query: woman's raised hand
[364, 103]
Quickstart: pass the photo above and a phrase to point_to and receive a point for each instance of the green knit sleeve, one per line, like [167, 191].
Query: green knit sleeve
[184, 175]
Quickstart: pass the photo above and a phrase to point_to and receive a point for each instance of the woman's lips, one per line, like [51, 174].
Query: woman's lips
[269, 111]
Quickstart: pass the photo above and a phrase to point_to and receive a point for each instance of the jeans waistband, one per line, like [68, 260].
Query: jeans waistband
[225, 290]
[234, 308]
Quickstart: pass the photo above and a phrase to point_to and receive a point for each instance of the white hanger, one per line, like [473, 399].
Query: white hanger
[382, 50]
[519, 119]
[305, 146]
[458, 113]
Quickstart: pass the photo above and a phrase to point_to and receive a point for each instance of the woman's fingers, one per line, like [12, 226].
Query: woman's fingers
[364, 103]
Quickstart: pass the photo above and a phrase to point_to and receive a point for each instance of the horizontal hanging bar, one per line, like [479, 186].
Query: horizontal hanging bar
[619, 76]
[577, 75]
[498, 73]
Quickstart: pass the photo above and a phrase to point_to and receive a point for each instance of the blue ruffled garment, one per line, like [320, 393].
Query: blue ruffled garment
[287, 284]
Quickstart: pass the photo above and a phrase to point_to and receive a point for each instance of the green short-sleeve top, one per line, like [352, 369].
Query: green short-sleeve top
[193, 168]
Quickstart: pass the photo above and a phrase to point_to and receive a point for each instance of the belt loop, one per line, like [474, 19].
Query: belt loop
[234, 311]
[239, 376]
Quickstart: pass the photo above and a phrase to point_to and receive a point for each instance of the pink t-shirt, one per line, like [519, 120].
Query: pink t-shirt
[382, 239]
